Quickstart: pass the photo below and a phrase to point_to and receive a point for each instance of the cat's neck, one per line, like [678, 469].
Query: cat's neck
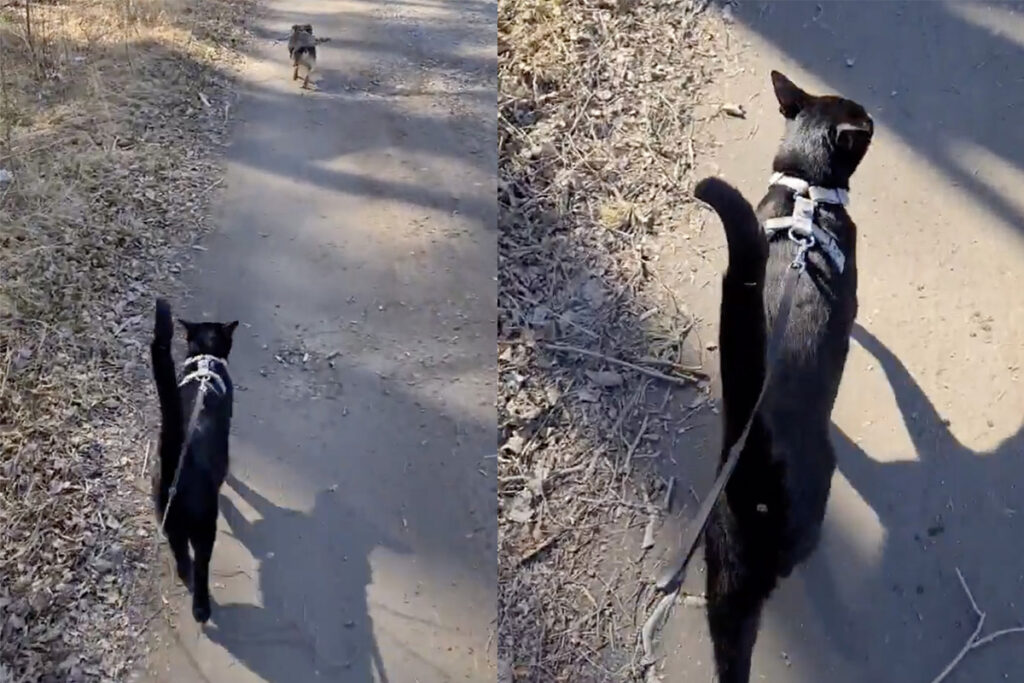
[811, 172]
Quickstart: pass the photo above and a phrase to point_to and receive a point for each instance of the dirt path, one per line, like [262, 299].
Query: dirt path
[928, 422]
[357, 248]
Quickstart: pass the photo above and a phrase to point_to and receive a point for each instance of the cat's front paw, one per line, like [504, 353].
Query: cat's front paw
[163, 329]
[201, 610]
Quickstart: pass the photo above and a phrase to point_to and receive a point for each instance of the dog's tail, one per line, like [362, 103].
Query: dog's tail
[748, 248]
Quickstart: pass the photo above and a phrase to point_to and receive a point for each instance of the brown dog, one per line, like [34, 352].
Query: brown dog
[302, 50]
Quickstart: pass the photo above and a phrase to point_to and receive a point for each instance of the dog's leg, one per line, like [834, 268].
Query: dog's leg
[203, 537]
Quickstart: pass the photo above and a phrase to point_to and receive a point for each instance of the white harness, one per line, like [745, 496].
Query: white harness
[208, 380]
[204, 373]
[801, 223]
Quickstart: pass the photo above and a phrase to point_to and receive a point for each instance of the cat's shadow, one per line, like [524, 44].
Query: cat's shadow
[949, 507]
[314, 623]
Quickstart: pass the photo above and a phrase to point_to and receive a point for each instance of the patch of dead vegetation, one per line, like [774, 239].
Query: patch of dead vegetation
[597, 147]
[112, 113]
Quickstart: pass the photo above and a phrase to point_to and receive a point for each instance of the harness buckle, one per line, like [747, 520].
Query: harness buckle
[805, 241]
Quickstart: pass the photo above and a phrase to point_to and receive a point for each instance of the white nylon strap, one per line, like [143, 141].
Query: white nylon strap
[802, 219]
[204, 372]
[823, 195]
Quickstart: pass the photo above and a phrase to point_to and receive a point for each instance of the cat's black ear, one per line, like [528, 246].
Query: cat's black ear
[791, 98]
[190, 328]
[229, 328]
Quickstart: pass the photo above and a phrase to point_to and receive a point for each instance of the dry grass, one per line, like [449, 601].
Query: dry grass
[597, 148]
[111, 115]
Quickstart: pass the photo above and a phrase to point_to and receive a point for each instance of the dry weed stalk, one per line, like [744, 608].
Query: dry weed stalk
[974, 641]
[110, 156]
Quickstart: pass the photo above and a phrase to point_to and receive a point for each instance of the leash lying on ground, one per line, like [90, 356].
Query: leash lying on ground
[208, 380]
[803, 230]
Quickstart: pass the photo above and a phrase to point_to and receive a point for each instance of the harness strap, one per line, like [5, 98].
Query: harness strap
[205, 373]
[817, 194]
[802, 220]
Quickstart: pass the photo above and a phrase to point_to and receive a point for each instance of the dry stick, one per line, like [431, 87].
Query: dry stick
[653, 623]
[666, 504]
[145, 462]
[6, 114]
[632, 447]
[28, 28]
[974, 642]
[564, 348]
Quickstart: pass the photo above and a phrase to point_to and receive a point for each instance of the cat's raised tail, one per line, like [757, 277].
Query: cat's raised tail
[748, 248]
[164, 375]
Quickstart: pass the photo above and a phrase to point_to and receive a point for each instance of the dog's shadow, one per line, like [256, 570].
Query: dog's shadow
[948, 508]
[314, 623]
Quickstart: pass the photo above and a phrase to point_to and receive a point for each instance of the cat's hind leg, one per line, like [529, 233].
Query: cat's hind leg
[733, 634]
[736, 591]
[203, 535]
[177, 536]
[176, 531]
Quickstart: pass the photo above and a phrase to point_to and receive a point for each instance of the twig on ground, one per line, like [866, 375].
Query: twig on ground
[666, 504]
[653, 623]
[974, 642]
[145, 461]
[652, 520]
[540, 547]
[563, 348]
[626, 466]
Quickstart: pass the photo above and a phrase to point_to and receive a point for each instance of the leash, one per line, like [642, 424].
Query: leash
[672, 577]
[209, 380]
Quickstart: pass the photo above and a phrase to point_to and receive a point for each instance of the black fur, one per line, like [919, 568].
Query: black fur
[769, 518]
[192, 517]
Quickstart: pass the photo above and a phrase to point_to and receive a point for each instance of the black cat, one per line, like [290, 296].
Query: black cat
[192, 516]
[770, 517]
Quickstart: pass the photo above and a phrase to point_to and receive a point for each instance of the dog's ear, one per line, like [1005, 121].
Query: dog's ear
[791, 99]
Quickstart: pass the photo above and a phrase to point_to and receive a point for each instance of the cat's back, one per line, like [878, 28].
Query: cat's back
[816, 341]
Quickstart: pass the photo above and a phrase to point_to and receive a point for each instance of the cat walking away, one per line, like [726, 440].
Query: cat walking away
[195, 422]
[769, 518]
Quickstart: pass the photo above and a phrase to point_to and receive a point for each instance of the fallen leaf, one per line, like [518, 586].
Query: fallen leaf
[734, 110]
[605, 378]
